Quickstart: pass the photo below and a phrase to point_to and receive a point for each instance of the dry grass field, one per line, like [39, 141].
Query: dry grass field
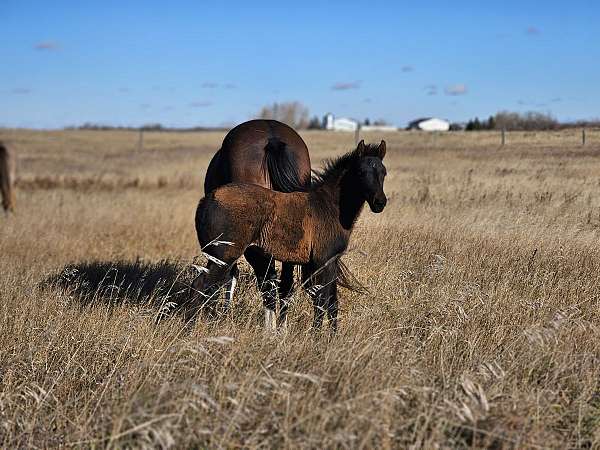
[481, 327]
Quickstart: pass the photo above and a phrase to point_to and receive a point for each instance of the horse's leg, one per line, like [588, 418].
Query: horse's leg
[204, 291]
[206, 287]
[312, 288]
[319, 303]
[233, 276]
[332, 307]
[266, 277]
[320, 284]
[285, 290]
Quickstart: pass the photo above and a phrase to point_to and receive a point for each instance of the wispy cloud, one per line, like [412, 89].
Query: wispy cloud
[230, 86]
[145, 105]
[407, 69]
[200, 104]
[47, 46]
[210, 85]
[533, 31]
[431, 89]
[367, 100]
[21, 91]
[456, 89]
[346, 85]
[537, 104]
[124, 90]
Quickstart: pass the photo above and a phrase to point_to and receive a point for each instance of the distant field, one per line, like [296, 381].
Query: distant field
[481, 326]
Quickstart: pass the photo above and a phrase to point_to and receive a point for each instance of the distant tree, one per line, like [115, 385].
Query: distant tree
[152, 127]
[589, 123]
[456, 126]
[380, 122]
[514, 121]
[367, 122]
[476, 125]
[295, 114]
[315, 123]
[528, 121]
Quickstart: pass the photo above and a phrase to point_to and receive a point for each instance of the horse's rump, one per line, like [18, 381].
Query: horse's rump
[263, 152]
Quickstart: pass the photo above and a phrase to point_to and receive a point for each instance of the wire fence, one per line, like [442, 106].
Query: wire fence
[570, 137]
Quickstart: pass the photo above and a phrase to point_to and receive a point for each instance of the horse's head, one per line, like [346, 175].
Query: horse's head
[371, 174]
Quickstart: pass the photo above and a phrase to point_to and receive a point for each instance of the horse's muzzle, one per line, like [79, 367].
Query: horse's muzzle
[377, 204]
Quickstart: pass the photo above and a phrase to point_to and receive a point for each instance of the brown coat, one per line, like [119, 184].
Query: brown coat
[281, 224]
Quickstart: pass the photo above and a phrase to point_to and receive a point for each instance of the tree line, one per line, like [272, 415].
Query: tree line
[296, 115]
[514, 121]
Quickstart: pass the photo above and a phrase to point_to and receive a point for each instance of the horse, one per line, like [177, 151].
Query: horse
[7, 178]
[309, 228]
[270, 154]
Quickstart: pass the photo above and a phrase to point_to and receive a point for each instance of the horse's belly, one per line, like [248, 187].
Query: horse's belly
[297, 255]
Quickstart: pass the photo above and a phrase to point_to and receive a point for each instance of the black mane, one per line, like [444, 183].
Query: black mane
[336, 167]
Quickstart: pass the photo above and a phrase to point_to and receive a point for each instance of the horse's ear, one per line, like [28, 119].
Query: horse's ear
[361, 147]
[381, 149]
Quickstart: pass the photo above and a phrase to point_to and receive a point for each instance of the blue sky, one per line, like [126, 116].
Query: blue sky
[213, 63]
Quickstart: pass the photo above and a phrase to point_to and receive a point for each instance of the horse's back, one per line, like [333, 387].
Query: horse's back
[249, 139]
[245, 214]
[242, 156]
[234, 212]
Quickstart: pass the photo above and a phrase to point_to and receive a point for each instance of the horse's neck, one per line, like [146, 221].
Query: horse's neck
[343, 198]
[351, 203]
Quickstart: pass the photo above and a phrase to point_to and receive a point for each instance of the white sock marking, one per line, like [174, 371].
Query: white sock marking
[230, 292]
[270, 320]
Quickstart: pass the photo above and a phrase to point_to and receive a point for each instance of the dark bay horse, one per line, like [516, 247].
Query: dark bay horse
[270, 154]
[7, 178]
[310, 228]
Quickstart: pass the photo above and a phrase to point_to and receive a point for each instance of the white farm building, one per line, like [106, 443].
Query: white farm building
[339, 124]
[429, 124]
[330, 122]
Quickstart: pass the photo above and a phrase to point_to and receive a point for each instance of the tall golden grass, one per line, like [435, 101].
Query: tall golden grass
[481, 326]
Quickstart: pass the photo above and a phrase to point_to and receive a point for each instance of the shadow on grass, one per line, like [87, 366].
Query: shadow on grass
[162, 285]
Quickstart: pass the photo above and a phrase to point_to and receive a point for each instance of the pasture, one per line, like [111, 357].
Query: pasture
[481, 326]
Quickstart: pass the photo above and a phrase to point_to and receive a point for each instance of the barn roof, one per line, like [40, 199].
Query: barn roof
[418, 121]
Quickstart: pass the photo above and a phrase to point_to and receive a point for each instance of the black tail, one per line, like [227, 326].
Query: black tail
[282, 168]
[344, 277]
[347, 279]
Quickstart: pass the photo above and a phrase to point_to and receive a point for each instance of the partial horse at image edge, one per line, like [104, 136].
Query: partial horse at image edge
[7, 178]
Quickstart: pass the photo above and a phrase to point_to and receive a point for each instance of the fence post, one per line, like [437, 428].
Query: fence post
[583, 137]
[503, 136]
[141, 140]
[357, 134]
